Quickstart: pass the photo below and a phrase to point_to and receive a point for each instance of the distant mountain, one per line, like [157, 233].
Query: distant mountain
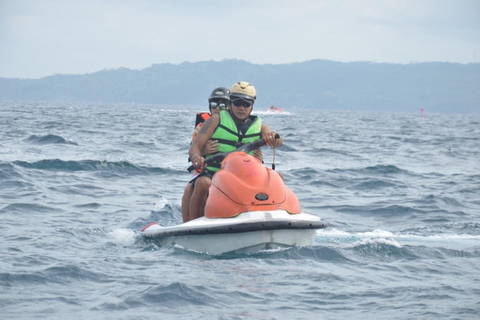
[315, 84]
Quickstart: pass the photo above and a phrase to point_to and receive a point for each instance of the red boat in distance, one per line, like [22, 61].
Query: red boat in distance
[276, 109]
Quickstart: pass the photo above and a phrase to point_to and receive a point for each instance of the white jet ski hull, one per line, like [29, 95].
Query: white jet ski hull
[248, 231]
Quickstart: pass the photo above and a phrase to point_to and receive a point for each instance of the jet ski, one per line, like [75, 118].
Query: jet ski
[275, 109]
[249, 208]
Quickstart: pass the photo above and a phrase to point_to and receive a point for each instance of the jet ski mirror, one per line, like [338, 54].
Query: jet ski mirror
[247, 147]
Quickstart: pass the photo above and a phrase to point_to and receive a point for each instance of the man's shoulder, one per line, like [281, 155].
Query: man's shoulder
[213, 120]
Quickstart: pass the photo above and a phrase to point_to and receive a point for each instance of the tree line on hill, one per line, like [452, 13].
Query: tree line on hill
[314, 84]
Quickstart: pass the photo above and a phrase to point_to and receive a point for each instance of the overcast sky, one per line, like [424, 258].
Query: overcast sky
[44, 37]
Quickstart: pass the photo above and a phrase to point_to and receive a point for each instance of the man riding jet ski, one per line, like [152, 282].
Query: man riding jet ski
[231, 129]
[248, 206]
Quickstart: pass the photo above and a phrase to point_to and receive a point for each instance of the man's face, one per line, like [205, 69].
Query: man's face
[242, 108]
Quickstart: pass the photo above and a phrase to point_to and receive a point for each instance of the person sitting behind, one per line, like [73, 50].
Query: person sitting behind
[229, 127]
[218, 100]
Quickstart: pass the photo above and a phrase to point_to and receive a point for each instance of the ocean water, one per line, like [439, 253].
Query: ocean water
[400, 191]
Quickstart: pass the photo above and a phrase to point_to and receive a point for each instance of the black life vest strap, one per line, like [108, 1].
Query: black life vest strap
[252, 135]
[230, 143]
[215, 164]
[227, 129]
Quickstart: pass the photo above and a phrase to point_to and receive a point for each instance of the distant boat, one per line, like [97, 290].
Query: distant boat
[275, 109]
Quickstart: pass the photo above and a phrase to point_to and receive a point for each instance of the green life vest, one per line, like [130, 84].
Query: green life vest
[230, 139]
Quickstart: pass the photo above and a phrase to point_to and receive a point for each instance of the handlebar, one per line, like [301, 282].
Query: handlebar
[247, 147]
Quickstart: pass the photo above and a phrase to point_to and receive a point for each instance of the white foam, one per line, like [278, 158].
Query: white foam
[269, 112]
[441, 237]
[160, 204]
[387, 237]
[375, 233]
[123, 236]
[390, 242]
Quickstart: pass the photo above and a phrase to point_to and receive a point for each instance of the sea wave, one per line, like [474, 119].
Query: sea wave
[27, 207]
[434, 238]
[114, 167]
[49, 139]
[78, 182]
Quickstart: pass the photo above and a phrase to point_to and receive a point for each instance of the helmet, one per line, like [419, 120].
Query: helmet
[243, 90]
[220, 93]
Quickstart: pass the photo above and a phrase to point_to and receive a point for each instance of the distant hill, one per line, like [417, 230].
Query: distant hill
[315, 84]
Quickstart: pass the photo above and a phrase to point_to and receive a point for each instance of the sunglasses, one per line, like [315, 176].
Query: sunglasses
[214, 105]
[241, 102]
